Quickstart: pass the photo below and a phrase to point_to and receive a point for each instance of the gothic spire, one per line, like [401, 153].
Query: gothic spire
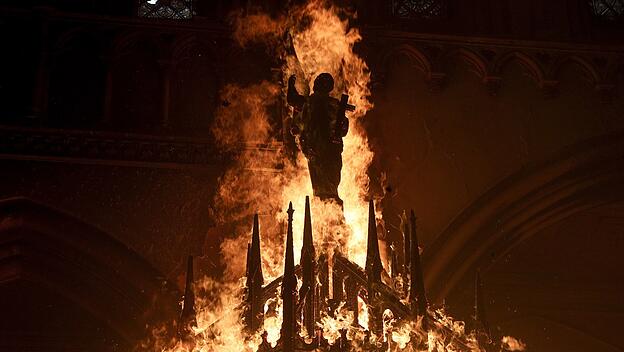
[255, 261]
[373, 259]
[255, 280]
[289, 287]
[308, 270]
[307, 251]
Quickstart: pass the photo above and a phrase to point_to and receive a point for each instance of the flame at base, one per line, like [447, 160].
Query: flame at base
[261, 178]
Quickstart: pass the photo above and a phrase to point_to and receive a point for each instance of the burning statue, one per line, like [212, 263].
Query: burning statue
[320, 123]
[334, 300]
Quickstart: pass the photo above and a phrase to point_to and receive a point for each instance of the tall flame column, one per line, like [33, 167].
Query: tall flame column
[289, 288]
[308, 271]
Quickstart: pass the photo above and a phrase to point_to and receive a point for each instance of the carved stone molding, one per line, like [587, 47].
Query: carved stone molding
[43, 245]
[106, 148]
[488, 57]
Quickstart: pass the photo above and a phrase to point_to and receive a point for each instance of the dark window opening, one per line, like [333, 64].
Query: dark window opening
[611, 10]
[170, 9]
[418, 9]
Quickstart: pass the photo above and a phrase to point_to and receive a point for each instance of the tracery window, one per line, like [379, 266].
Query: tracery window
[171, 9]
[414, 9]
[607, 9]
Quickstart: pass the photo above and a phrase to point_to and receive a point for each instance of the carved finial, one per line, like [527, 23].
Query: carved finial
[289, 287]
[290, 211]
[308, 242]
[373, 259]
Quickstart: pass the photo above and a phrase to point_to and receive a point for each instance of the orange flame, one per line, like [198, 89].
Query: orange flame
[261, 180]
[513, 344]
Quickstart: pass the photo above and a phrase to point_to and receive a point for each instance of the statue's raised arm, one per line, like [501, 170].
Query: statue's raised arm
[293, 98]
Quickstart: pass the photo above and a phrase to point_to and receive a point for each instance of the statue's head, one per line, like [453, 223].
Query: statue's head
[323, 84]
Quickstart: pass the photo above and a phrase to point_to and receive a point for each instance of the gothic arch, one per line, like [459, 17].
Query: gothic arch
[184, 46]
[66, 39]
[194, 85]
[592, 73]
[76, 39]
[475, 60]
[125, 41]
[416, 57]
[528, 63]
[97, 273]
[583, 176]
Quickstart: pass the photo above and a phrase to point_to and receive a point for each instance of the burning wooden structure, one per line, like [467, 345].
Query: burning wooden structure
[384, 310]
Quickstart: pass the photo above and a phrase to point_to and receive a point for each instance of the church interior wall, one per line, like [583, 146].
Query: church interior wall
[446, 131]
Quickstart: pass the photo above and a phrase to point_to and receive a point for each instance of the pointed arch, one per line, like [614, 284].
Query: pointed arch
[581, 177]
[66, 39]
[124, 42]
[84, 265]
[592, 73]
[188, 43]
[528, 63]
[473, 59]
[416, 57]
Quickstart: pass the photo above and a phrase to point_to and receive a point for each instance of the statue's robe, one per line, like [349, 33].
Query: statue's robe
[321, 130]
